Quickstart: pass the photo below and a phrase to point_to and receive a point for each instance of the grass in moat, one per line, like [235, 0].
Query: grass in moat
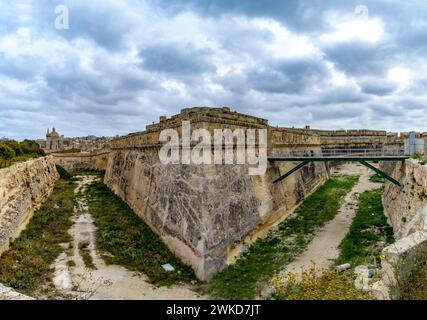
[26, 265]
[85, 254]
[244, 279]
[376, 178]
[369, 232]
[124, 239]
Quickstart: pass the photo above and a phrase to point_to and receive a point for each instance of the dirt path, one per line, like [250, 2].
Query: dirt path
[75, 280]
[323, 249]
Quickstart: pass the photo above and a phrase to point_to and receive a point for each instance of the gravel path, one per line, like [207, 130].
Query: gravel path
[323, 249]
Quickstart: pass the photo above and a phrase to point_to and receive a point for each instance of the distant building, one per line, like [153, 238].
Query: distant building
[55, 142]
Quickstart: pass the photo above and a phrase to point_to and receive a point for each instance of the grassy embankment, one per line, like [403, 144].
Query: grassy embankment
[244, 279]
[26, 265]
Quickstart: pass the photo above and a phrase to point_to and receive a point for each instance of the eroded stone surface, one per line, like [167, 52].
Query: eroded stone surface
[23, 187]
[406, 208]
[208, 214]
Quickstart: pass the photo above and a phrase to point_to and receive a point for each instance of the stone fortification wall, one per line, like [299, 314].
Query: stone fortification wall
[208, 214]
[96, 160]
[23, 187]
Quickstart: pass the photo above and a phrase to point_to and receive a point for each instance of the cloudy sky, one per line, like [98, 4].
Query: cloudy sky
[122, 64]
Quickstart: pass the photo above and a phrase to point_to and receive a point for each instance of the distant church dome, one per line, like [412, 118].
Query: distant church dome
[53, 134]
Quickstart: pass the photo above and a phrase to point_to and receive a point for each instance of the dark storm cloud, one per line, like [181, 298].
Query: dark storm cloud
[21, 68]
[107, 22]
[296, 14]
[377, 86]
[287, 76]
[360, 58]
[177, 60]
[341, 95]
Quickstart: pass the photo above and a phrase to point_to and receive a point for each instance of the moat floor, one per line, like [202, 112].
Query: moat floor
[323, 249]
[81, 273]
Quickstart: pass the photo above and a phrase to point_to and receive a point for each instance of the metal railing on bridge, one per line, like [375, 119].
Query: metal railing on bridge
[372, 152]
[377, 152]
[362, 156]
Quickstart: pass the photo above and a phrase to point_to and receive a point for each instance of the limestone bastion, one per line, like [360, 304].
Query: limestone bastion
[209, 214]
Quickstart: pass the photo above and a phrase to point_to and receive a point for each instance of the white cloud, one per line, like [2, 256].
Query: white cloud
[348, 28]
[401, 76]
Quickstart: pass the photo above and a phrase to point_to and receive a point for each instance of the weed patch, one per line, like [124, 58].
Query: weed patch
[63, 173]
[331, 285]
[376, 178]
[85, 254]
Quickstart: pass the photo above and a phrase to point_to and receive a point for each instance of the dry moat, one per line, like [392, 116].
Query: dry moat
[118, 224]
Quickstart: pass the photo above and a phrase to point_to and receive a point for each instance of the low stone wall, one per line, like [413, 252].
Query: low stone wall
[23, 187]
[96, 160]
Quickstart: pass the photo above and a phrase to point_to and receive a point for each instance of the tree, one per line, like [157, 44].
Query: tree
[14, 145]
[6, 152]
[30, 146]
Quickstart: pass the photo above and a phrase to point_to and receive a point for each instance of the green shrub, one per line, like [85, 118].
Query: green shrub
[15, 146]
[416, 155]
[6, 152]
[64, 174]
[30, 146]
